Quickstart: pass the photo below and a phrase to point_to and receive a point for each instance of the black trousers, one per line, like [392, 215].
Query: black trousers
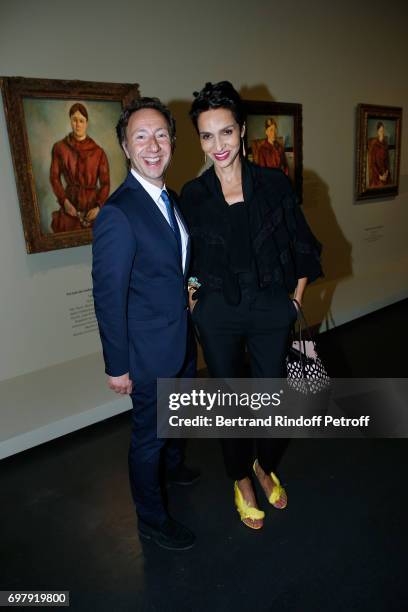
[260, 325]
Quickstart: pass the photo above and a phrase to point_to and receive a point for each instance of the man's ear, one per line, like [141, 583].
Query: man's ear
[124, 147]
[243, 129]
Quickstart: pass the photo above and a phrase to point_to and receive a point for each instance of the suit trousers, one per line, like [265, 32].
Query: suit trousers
[149, 456]
[259, 325]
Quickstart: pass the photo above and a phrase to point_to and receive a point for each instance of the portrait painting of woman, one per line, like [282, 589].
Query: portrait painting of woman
[76, 161]
[273, 138]
[79, 175]
[379, 159]
[378, 151]
[270, 153]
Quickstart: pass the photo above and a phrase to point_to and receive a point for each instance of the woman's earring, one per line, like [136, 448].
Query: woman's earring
[205, 158]
[243, 148]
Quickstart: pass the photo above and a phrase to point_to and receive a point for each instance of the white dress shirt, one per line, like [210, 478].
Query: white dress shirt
[155, 193]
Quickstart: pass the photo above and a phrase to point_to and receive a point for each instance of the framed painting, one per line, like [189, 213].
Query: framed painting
[378, 151]
[66, 156]
[273, 138]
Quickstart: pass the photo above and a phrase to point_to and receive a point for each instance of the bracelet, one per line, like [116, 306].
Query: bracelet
[193, 283]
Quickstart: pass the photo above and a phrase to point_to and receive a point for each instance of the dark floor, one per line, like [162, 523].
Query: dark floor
[341, 545]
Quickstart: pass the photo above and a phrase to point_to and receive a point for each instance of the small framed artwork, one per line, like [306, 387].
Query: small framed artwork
[273, 138]
[378, 151]
[66, 156]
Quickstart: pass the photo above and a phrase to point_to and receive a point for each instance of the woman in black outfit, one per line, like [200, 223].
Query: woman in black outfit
[251, 248]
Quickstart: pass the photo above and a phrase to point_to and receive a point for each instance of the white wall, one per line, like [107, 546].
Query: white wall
[326, 56]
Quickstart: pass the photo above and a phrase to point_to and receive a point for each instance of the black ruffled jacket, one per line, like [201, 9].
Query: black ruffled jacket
[284, 248]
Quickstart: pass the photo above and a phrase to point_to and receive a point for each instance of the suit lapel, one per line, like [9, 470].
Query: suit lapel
[154, 212]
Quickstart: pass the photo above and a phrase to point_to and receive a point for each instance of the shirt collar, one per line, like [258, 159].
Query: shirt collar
[153, 191]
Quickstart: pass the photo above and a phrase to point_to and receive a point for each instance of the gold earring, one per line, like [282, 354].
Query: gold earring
[205, 158]
[243, 148]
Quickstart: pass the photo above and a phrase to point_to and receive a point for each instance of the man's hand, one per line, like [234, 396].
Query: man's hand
[120, 384]
[70, 208]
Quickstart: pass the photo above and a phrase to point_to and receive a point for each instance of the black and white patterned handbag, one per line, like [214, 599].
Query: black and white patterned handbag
[306, 373]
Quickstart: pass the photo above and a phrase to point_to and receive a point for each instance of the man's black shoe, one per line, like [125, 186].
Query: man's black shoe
[182, 475]
[171, 535]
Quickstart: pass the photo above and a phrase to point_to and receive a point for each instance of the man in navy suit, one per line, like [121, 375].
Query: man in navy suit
[141, 251]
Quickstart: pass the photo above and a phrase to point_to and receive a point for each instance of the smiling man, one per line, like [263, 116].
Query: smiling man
[141, 251]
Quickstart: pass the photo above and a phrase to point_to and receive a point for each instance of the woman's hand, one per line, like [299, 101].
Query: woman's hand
[192, 302]
[297, 303]
[70, 208]
[300, 288]
[92, 213]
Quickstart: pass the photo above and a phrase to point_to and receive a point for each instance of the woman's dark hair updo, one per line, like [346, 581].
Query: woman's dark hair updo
[217, 95]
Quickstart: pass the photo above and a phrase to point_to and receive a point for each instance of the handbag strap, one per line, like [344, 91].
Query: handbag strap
[303, 326]
[302, 320]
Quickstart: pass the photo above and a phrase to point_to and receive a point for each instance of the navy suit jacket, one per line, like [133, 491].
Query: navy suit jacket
[139, 287]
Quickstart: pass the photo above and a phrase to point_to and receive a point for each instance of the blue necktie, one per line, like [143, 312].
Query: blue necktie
[172, 219]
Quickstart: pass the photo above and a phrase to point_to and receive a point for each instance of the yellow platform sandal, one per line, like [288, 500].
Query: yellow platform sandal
[278, 497]
[245, 511]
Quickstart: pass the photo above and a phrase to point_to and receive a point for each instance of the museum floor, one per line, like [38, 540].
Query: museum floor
[341, 545]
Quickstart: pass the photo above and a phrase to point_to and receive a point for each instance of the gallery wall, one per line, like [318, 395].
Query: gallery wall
[327, 56]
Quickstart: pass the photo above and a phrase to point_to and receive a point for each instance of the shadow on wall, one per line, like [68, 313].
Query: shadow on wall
[188, 159]
[336, 255]
[257, 92]
[41, 263]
